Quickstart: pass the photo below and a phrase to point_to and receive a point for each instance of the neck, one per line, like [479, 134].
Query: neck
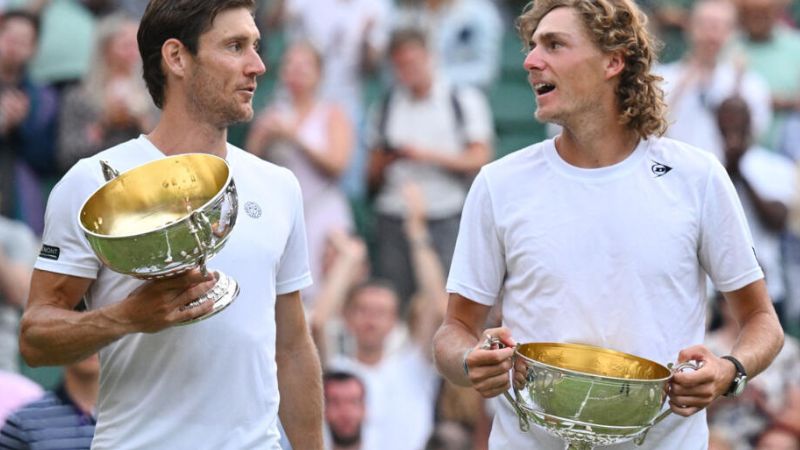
[436, 4]
[369, 356]
[704, 62]
[303, 102]
[597, 142]
[355, 446]
[10, 75]
[422, 90]
[178, 132]
[82, 389]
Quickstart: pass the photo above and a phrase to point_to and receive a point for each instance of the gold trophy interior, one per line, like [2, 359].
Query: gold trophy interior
[587, 395]
[163, 218]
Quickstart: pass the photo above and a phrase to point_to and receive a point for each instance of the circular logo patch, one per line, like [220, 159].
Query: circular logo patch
[252, 209]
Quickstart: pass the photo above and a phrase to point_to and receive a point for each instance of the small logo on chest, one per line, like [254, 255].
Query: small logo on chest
[659, 170]
[252, 209]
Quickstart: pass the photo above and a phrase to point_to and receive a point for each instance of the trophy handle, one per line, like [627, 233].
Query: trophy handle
[691, 364]
[109, 173]
[198, 221]
[493, 343]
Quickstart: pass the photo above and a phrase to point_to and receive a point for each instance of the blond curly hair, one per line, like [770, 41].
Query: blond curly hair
[616, 26]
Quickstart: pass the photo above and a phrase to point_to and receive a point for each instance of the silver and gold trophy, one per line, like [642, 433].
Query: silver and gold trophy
[587, 395]
[164, 218]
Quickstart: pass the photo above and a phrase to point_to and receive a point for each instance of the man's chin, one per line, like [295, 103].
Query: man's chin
[242, 116]
[346, 440]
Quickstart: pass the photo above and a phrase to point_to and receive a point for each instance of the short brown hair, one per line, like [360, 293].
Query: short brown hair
[184, 20]
[404, 36]
[616, 26]
[22, 14]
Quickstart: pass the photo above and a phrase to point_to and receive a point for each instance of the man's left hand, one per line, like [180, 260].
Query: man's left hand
[692, 390]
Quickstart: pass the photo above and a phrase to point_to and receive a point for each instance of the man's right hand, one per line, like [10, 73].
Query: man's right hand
[159, 304]
[488, 369]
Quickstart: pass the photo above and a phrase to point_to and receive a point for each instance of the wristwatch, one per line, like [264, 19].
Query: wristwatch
[739, 380]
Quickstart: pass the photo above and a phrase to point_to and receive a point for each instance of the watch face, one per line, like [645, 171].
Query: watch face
[740, 385]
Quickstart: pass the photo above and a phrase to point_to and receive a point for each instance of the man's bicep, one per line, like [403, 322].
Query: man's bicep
[749, 300]
[55, 289]
[290, 320]
[466, 313]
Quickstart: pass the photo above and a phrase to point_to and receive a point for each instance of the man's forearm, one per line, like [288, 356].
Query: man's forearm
[450, 344]
[760, 340]
[300, 385]
[51, 336]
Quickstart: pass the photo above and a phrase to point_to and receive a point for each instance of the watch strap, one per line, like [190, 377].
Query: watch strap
[740, 374]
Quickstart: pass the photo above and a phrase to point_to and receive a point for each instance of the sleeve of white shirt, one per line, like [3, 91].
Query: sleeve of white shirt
[70, 252]
[293, 272]
[478, 266]
[726, 245]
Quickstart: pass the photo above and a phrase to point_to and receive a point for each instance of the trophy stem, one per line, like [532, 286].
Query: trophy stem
[578, 445]
[222, 294]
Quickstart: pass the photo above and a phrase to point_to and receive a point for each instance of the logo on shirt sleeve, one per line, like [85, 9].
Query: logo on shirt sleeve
[50, 252]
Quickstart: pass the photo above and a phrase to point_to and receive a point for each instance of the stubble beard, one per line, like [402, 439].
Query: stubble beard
[209, 103]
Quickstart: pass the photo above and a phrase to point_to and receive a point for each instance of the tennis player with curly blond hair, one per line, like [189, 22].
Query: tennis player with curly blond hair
[604, 235]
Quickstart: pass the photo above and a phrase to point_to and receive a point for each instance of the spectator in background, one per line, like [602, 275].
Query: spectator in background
[778, 438]
[65, 47]
[344, 410]
[18, 248]
[345, 266]
[669, 19]
[28, 113]
[401, 384]
[790, 146]
[111, 105]
[61, 420]
[770, 49]
[314, 139]
[695, 85]
[770, 400]
[428, 132]
[766, 183]
[464, 37]
[351, 36]
[16, 391]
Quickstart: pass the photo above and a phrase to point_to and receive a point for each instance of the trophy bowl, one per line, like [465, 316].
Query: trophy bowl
[163, 218]
[589, 395]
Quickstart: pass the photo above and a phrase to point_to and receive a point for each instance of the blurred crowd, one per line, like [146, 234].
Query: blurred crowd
[384, 111]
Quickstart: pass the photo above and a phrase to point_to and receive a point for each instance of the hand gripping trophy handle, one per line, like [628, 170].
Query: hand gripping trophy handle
[555, 398]
[691, 365]
[164, 217]
[494, 343]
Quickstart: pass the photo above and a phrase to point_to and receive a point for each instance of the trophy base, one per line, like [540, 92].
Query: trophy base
[222, 294]
[579, 435]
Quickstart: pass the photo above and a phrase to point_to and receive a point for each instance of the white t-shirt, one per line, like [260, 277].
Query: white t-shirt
[400, 398]
[430, 123]
[213, 384]
[615, 257]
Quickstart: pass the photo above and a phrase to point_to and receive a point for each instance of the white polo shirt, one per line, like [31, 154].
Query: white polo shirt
[213, 384]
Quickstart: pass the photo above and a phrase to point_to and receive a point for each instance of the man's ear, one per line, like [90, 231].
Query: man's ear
[614, 65]
[175, 56]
